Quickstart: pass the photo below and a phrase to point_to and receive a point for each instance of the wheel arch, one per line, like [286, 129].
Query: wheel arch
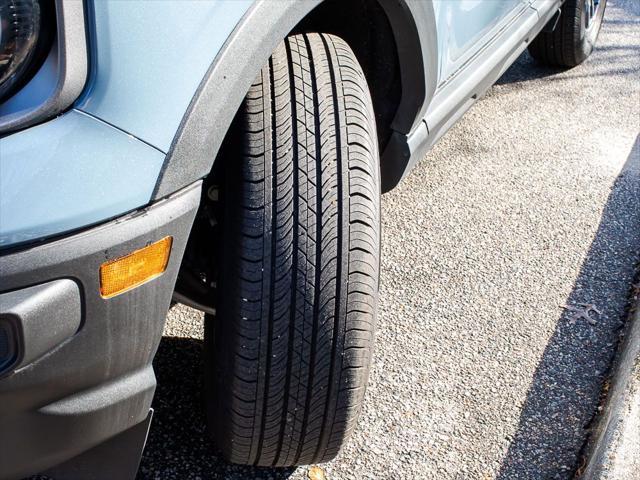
[411, 28]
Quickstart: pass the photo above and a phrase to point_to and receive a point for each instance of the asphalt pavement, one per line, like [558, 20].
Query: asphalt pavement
[613, 451]
[508, 256]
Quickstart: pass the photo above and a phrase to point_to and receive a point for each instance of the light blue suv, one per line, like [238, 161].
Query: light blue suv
[228, 155]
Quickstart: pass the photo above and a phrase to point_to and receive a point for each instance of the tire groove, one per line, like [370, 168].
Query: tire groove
[294, 267]
[338, 304]
[314, 332]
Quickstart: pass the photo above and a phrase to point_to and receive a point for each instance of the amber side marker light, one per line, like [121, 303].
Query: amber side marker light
[128, 272]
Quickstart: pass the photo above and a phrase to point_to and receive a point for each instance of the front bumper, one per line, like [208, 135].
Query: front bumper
[84, 370]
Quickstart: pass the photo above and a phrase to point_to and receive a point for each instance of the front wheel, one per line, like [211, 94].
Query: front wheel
[289, 351]
[574, 36]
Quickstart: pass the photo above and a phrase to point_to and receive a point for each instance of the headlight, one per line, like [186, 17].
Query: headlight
[25, 35]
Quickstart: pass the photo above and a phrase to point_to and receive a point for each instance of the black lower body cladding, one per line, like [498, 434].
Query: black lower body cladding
[290, 349]
[95, 382]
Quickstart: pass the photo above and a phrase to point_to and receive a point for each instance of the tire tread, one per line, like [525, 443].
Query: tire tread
[293, 346]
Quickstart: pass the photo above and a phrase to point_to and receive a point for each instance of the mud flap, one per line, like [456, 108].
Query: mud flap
[553, 22]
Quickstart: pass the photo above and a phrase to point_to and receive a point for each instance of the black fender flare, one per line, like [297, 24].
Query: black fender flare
[221, 91]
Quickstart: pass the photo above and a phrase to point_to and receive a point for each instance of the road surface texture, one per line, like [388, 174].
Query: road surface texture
[489, 361]
[614, 444]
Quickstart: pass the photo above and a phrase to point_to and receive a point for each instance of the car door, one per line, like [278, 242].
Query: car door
[465, 26]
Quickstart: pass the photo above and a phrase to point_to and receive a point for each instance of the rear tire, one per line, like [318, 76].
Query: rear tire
[290, 349]
[574, 37]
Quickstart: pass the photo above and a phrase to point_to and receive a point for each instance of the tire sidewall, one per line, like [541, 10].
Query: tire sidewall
[588, 37]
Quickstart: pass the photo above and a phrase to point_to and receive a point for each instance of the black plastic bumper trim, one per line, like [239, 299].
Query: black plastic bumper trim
[42, 317]
[117, 458]
[99, 382]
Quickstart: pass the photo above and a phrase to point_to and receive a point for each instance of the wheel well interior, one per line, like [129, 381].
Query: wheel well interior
[364, 25]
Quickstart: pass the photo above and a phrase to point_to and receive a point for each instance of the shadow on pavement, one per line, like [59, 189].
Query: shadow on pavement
[609, 59]
[178, 446]
[568, 380]
[524, 69]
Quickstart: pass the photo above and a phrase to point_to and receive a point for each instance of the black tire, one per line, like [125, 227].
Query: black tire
[572, 41]
[291, 346]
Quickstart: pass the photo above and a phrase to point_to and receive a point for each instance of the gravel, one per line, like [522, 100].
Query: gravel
[524, 215]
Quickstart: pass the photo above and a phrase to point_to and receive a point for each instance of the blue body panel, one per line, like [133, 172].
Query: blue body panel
[464, 26]
[151, 59]
[75, 170]
[69, 173]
